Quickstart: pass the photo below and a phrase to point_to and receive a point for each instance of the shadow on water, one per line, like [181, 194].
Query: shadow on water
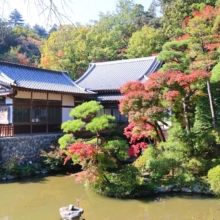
[29, 179]
[176, 195]
[41, 197]
[41, 178]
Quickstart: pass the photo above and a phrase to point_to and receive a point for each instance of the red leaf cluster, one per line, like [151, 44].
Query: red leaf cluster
[185, 80]
[171, 95]
[184, 37]
[208, 12]
[136, 131]
[84, 151]
[185, 22]
[136, 149]
[197, 13]
[132, 86]
[90, 175]
[212, 46]
[155, 81]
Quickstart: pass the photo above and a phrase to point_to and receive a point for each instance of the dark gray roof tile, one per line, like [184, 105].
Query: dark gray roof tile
[112, 75]
[38, 79]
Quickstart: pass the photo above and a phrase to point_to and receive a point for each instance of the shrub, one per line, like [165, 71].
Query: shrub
[11, 167]
[158, 167]
[52, 159]
[214, 179]
[185, 178]
[148, 154]
[215, 162]
[126, 182]
[196, 166]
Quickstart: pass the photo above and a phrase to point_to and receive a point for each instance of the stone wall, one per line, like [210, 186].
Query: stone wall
[26, 148]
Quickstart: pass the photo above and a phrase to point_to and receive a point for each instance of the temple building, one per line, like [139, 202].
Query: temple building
[35, 100]
[106, 78]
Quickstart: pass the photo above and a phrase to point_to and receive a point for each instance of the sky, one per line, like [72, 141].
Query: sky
[81, 11]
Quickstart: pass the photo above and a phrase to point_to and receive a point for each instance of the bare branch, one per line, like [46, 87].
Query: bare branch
[51, 10]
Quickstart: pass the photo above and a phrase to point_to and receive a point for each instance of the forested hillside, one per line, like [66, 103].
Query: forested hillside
[19, 42]
[128, 32]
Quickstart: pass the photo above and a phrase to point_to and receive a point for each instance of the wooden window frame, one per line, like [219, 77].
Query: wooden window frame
[41, 104]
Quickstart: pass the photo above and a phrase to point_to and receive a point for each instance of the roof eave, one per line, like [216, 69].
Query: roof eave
[51, 91]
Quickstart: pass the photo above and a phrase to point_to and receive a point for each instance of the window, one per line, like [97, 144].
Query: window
[114, 112]
[54, 114]
[21, 114]
[37, 116]
[22, 101]
[2, 100]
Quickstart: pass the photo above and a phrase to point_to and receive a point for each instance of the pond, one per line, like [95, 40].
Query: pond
[39, 198]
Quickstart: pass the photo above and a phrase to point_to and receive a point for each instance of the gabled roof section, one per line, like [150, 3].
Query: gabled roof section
[112, 75]
[37, 79]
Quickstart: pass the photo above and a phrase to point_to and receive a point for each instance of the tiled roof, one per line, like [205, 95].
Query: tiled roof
[112, 75]
[38, 79]
[109, 97]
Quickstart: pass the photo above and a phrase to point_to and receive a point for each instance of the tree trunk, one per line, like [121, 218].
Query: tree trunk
[185, 111]
[214, 123]
[160, 132]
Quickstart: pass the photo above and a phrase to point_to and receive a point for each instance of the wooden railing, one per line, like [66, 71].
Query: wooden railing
[6, 130]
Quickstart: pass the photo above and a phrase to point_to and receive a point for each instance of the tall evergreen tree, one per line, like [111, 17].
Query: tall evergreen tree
[41, 31]
[15, 19]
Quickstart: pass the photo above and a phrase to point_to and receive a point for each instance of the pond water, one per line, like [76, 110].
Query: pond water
[39, 198]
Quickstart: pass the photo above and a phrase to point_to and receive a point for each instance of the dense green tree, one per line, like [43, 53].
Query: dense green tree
[127, 18]
[4, 35]
[175, 11]
[174, 56]
[149, 17]
[53, 28]
[66, 49]
[25, 31]
[145, 42]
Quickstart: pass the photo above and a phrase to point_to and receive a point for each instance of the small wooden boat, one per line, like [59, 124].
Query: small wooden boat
[71, 212]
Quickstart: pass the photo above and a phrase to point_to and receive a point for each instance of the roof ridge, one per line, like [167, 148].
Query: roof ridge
[86, 73]
[154, 66]
[124, 61]
[28, 67]
[7, 79]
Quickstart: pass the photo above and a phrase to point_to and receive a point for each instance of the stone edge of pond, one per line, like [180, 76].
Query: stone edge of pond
[14, 177]
[178, 188]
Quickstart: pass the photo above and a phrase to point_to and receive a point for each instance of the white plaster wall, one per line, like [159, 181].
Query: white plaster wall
[8, 101]
[65, 114]
[68, 100]
[24, 95]
[54, 97]
[39, 95]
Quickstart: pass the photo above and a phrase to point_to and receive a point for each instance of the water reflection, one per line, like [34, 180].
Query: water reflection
[41, 197]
